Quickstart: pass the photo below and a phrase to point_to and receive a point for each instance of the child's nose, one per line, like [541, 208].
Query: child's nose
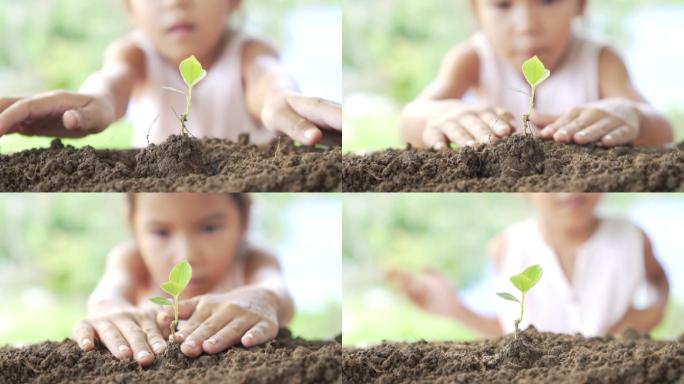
[527, 18]
[186, 251]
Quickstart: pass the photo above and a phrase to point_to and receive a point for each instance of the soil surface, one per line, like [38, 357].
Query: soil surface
[179, 164]
[283, 360]
[520, 163]
[535, 357]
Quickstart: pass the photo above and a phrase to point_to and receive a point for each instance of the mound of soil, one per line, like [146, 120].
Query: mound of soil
[179, 164]
[535, 357]
[519, 163]
[283, 360]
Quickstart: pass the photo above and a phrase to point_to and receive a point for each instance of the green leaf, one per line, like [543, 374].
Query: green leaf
[171, 288]
[160, 301]
[181, 274]
[527, 279]
[507, 296]
[192, 71]
[535, 72]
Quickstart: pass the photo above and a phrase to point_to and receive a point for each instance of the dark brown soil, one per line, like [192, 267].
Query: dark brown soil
[520, 163]
[284, 360]
[534, 357]
[179, 164]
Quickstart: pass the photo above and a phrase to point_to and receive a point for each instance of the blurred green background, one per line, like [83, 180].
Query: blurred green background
[393, 48]
[52, 250]
[56, 44]
[450, 233]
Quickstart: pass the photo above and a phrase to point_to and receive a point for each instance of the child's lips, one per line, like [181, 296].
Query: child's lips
[181, 29]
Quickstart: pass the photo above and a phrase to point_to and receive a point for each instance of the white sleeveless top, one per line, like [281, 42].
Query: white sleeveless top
[573, 83]
[608, 272]
[218, 107]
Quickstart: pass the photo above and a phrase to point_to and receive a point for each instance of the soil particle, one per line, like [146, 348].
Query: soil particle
[283, 360]
[519, 163]
[179, 164]
[535, 357]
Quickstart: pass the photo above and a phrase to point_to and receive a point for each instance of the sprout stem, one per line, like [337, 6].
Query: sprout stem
[174, 323]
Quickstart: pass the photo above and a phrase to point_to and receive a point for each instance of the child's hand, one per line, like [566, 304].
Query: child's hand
[594, 124]
[126, 333]
[219, 321]
[56, 114]
[467, 126]
[309, 120]
[430, 290]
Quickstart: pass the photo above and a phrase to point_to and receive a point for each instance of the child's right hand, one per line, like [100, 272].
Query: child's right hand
[429, 290]
[467, 126]
[127, 332]
[55, 114]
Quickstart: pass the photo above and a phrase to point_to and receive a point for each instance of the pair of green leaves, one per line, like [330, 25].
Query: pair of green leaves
[192, 73]
[178, 279]
[524, 282]
[534, 71]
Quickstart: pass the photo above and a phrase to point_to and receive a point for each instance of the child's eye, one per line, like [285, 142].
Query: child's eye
[548, 2]
[502, 5]
[210, 228]
[160, 233]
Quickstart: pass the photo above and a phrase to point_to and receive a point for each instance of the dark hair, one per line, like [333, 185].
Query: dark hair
[242, 201]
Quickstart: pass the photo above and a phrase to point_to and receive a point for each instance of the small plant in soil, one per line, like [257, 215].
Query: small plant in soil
[192, 72]
[524, 281]
[178, 279]
[535, 73]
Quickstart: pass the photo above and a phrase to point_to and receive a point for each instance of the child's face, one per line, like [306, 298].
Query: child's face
[180, 28]
[520, 29]
[565, 208]
[204, 229]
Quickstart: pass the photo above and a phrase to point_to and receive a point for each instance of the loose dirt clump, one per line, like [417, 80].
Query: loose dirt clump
[519, 163]
[283, 360]
[535, 357]
[179, 164]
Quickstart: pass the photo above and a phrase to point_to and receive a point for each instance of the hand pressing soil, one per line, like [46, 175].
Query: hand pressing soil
[283, 360]
[519, 163]
[535, 357]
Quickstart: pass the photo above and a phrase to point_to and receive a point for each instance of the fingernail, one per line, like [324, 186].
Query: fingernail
[142, 354]
[470, 143]
[191, 344]
[123, 348]
[562, 133]
[211, 340]
[582, 134]
[608, 137]
[310, 134]
[158, 347]
[86, 343]
[440, 146]
[180, 336]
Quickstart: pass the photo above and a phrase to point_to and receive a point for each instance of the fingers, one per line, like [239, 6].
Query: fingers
[110, 336]
[434, 138]
[542, 120]
[137, 339]
[550, 130]
[200, 314]
[622, 135]
[457, 134]
[84, 335]
[497, 123]
[155, 337]
[194, 343]
[90, 117]
[586, 118]
[261, 332]
[596, 131]
[229, 335]
[481, 132]
[41, 106]
[293, 125]
[324, 113]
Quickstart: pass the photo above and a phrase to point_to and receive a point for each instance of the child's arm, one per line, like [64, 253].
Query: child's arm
[250, 314]
[622, 116]
[112, 317]
[438, 117]
[644, 320]
[101, 100]
[273, 97]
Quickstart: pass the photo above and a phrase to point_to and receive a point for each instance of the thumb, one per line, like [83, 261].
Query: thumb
[185, 310]
[90, 117]
[541, 120]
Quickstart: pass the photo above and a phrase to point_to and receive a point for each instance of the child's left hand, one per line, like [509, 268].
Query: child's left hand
[593, 123]
[218, 321]
[309, 120]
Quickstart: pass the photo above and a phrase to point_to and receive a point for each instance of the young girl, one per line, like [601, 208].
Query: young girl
[236, 295]
[246, 89]
[593, 268]
[589, 97]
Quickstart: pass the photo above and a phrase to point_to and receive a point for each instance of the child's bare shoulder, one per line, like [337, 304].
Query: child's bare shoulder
[125, 257]
[460, 71]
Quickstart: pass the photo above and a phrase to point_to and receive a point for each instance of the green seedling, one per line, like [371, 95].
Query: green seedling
[178, 279]
[524, 282]
[192, 72]
[535, 73]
